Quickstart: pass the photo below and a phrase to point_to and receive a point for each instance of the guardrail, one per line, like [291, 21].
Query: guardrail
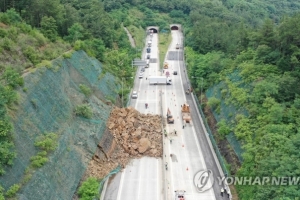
[211, 137]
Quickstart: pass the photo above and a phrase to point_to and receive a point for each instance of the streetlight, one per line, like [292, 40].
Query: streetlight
[200, 88]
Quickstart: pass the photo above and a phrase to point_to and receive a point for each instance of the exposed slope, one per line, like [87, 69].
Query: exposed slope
[48, 106]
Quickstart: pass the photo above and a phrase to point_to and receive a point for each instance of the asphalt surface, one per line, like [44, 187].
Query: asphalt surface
[147, 178]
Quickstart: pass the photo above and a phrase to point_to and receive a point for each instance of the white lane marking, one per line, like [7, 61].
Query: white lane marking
[139, 179]
[121, 184]
[157, 178]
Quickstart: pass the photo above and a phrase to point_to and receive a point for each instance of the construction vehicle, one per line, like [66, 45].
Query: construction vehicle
[186, 114]
[179, 194]
[166, 65]
[170, 118]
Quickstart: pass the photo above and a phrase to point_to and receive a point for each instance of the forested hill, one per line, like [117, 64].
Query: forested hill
[250, 47]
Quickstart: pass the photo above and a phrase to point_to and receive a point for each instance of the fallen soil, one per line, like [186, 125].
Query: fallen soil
[133, 135]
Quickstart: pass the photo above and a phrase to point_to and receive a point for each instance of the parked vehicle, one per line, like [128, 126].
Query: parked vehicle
[148, 50]
[160, 80]
[186, 114]
[147, 63]
[134, 95]
[174, 72]
[148, 56]
[141, 75]
[170, 118]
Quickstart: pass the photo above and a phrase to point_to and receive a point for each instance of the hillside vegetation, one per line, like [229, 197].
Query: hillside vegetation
[251, 47]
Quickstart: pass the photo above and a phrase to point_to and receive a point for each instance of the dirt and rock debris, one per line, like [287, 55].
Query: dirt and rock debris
[129, 134]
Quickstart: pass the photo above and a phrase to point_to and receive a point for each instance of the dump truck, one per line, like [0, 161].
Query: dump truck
[185, 112]
[166, 65]
[170, 118]
[160, 80]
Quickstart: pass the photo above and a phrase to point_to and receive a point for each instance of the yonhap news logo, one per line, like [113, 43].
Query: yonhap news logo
[203, 180]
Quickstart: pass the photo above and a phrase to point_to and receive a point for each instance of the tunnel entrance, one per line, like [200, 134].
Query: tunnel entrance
[153, 30]
[174, 28]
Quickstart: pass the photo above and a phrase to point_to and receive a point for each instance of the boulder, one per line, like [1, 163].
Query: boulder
[144, 145]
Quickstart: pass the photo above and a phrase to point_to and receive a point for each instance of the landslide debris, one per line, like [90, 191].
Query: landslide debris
[132, 134]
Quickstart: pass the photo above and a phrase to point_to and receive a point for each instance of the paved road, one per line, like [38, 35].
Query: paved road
[147, 178]
[205, 149]
[142, 178]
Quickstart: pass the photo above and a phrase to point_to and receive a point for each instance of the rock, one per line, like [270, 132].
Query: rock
[144, 145]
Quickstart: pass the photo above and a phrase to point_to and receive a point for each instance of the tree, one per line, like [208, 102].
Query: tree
[49, 28]
[89, 189]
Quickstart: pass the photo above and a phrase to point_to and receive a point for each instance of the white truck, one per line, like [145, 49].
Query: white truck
[160, 80]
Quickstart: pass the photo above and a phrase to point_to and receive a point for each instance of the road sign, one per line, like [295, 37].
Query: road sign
[139, 62]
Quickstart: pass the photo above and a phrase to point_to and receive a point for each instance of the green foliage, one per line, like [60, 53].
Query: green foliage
[84, 110]
[49, 28]
[12, 191]
[46, 142]
[85, 90]
[223, 128]
[67, 55]
[1, 193]
[12, 78]
[213, 102]
[32, 55]
[89, 189]
[38, 161]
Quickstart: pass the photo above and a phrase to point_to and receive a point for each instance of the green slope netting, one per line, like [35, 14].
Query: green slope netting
[227, 112]
[48, 106]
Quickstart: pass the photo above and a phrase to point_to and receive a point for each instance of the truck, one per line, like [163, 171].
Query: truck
[166, 65]
[160, 80]
[170, 118]
[179, 194]
[186, 114]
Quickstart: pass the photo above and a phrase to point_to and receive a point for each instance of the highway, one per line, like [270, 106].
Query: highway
[142, 178]
[147, 178]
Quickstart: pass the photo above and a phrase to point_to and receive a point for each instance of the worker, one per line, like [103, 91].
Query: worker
[175, 132]
[171, 141]
[146, 105]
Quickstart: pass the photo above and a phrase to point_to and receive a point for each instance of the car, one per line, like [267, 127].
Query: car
[143, 69]
[174, 72]
[141, 75]
[148, 56]
[148, 50]
[134, 95]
